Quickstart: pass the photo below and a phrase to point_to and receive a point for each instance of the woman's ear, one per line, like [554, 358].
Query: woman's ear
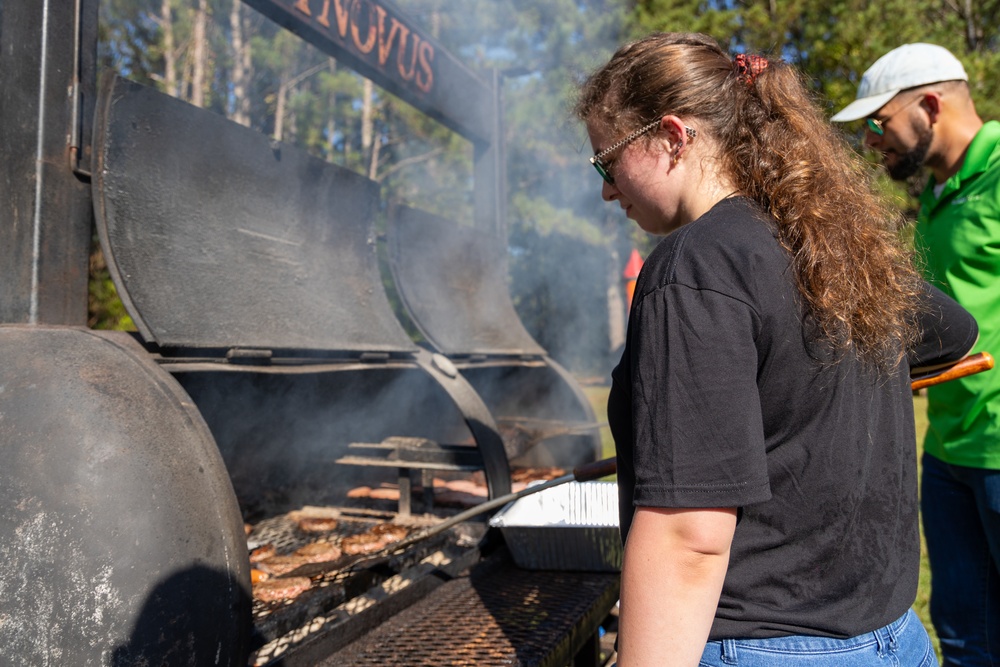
[675, 136]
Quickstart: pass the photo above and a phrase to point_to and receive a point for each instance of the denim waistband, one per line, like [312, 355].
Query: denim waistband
[883, 640]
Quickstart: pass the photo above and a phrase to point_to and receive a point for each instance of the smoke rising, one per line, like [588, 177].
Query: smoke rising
[282, 433]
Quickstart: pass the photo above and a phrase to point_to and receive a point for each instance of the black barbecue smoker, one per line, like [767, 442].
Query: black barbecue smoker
[268, 370]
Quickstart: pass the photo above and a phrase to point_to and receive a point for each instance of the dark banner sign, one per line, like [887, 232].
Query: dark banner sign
[376, 39]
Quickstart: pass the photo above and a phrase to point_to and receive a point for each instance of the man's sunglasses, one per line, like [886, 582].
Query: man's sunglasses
[604, 168]
[877, 125]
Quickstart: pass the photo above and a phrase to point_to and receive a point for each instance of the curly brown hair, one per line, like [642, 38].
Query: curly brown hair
[853, 270]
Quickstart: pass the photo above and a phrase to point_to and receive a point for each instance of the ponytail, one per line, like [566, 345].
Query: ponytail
[851, 267]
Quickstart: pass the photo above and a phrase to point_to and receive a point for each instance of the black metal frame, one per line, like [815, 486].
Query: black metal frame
[45, 213]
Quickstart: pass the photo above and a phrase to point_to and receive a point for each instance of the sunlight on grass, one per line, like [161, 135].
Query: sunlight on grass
[598, 396]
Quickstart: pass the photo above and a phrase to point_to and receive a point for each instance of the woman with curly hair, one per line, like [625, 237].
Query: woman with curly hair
[762, 410]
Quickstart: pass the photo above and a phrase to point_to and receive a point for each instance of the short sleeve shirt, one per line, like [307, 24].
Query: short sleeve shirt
[721, 399]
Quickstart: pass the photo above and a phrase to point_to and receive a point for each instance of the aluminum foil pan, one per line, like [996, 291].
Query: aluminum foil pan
[573, 526]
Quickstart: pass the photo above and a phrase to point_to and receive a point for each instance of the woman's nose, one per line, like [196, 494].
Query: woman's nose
[609, 192]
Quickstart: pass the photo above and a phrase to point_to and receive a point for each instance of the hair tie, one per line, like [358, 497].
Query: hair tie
[749, 67]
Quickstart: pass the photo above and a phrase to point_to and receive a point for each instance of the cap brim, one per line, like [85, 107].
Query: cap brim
[863, 108]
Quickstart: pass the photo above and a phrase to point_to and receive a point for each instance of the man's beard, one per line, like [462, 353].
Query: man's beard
[910, 162]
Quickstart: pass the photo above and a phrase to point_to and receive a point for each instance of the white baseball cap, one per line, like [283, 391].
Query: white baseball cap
[907, 66]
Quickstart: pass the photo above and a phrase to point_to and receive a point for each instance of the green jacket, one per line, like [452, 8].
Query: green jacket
[958, 237]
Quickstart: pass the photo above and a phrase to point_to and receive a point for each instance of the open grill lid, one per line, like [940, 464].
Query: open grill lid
[454, 285]
[217, 237]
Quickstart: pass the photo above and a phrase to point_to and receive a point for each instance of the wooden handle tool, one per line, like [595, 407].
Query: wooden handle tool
[975, 363]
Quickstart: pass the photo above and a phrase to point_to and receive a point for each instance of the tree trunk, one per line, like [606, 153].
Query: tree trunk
[240, 110]
[368, 127]
[285, 87]
[617, 308]
[169, 54]
[435, 23]
[199, 51]
[373, 164]
[971, 35]
[279, 108]
[331, 123]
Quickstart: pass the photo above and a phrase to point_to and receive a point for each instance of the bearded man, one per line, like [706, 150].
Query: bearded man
[919, 113]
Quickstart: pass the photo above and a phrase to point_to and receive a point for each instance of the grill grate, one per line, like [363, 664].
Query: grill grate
[283, 531]
[336, 584]
[499, 615]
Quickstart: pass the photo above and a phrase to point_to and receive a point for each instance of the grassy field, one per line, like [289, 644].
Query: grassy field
[924, 588]
[598, 396]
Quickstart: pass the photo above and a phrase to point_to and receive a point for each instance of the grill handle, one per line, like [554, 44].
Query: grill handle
[595, 470]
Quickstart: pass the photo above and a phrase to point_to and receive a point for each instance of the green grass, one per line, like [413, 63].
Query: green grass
[922, 604]
[598, 396]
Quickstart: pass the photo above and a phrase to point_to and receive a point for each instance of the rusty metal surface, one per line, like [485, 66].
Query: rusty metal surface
[498, 615]
[119, 525]
[191, 206]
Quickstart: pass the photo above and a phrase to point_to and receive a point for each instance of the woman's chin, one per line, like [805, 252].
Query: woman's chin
[655, 227]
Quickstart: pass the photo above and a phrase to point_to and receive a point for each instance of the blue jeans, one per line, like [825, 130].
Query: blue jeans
[902, 643]
[961, 515]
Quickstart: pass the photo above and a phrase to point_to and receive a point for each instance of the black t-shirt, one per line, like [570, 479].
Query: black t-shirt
[724, 399]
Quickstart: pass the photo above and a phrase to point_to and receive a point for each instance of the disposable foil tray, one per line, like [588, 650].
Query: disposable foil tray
[573, 526]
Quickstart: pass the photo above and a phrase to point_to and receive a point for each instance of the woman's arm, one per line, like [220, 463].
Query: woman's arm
[675, 563]
[948, 331]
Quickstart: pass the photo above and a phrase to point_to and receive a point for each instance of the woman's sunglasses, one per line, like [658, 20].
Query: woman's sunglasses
[604, 169]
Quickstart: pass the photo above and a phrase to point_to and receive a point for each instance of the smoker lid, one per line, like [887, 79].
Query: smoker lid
[217, 237]
[453, 282]
[119, 516]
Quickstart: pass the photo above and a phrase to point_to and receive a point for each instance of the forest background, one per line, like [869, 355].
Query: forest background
[566, 248]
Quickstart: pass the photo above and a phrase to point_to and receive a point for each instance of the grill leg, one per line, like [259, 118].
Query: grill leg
[589, 654]
[405, 492]
[427, 482]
